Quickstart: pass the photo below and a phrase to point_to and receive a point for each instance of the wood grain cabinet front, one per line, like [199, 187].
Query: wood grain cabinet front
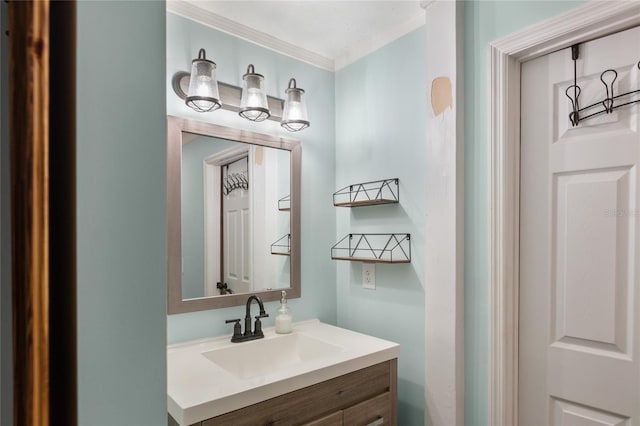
[334, 419]
[366, 397]
[372, 412]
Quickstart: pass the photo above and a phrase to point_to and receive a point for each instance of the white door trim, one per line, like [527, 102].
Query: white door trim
[444, 216]
[592, 20]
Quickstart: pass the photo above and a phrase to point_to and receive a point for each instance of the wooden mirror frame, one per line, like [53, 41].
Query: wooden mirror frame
[175, 127]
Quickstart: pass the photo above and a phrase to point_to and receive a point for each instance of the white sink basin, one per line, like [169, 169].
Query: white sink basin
[209, 377]
[260, 357]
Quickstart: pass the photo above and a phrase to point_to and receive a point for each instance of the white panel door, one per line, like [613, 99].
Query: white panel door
[236, 233]
[579, 339]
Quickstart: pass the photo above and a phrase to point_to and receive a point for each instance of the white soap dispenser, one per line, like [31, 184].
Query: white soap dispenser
[283, 317]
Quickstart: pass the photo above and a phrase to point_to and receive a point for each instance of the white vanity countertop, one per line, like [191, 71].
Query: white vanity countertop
[198, 389]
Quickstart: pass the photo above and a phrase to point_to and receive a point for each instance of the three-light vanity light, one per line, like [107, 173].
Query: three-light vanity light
[204, 95]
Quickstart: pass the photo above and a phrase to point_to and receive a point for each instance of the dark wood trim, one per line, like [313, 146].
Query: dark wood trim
[42, 99]
[29, 105]
[62, 214]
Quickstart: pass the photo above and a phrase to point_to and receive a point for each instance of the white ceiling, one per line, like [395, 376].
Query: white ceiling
[329, 34]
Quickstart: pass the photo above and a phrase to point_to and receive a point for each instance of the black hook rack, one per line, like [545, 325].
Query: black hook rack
[608, 77]
[233, 181]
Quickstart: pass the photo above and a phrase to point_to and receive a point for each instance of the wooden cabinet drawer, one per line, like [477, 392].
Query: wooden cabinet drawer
[315, 401]
[375, 411]
[334, 419]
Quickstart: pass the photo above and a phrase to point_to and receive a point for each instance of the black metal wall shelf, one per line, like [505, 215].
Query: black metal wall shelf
[282, 247]
[386, 191]
[378, 248]
[284, 203]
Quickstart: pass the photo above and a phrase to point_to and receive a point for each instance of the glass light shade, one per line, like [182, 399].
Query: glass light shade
[203, 92]
[294, 117]
[253, 105]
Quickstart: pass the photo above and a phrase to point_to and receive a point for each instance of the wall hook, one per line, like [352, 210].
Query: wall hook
[574, 116]
[608, 102]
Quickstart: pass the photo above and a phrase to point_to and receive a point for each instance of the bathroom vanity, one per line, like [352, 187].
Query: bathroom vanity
[318, 375]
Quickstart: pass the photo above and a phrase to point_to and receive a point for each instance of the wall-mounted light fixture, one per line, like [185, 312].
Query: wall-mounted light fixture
[202, 92]
[253, 105]
[295, 116]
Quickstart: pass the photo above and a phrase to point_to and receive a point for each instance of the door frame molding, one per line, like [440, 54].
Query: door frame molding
[592, 20]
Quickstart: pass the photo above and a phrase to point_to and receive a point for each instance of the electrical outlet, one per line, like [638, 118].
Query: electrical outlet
[369, 275]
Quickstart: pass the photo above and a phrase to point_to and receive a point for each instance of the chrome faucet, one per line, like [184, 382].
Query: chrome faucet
[238, 335]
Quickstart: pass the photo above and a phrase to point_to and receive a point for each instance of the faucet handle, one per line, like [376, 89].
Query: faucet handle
[237, 329]
[257, 329]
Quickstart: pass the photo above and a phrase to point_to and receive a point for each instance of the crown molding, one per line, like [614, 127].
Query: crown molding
[195, 13]
[363, 49]
[191, 11]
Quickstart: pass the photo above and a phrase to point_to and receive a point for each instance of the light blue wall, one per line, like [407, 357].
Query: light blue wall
[381, 133]
[484, 21]
[6, 356]
[121, 228]
[232, 55]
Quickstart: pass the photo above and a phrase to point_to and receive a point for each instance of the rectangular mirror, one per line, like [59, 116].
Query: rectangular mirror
[233, 212]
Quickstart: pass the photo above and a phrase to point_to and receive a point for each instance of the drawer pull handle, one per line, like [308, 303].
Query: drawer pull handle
[378, 422]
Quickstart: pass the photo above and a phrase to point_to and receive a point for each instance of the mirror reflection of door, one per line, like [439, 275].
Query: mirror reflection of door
[215, 172]
[236, 223]
[240, 254]
[196, 165]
